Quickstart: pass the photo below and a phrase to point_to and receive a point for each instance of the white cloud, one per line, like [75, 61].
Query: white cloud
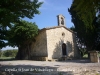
[9, 48]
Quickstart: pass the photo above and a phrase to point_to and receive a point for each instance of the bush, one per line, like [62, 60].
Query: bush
[0, 52]
[10, 53]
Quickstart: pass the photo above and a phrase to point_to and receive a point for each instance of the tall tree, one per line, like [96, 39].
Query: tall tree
[83, 23]
[94, 5]
[97, 25]
[22, 35]
[12, 11]
[3, 33]
[84, 5]
[80, 44]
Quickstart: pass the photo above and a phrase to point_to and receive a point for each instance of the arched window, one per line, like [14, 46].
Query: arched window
[62, 21]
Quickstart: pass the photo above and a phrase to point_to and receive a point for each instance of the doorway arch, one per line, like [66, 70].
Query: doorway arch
[64, 52]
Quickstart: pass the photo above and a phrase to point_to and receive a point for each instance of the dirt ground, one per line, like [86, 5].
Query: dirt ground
[69, 67]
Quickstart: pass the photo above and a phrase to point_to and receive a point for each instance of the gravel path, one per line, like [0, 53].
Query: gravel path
[69, 67]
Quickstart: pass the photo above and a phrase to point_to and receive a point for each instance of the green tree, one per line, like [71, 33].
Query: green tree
[10, 53]
[80, 44]
[90, 6]
[12, 11]
[0, 53]
[22, 35]
[86, 30]
[97, 25]
[3, 33]
[84, 5]
[7, 53]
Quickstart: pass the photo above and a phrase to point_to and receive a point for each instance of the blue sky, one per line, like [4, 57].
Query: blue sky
[49, 11]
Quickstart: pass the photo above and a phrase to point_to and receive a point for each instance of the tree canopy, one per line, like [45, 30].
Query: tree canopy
[11, 11]
[22, 33]
[83, 18]
[3, 33]
[81, 6]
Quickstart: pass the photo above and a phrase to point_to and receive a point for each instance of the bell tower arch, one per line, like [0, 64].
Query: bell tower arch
[61, 20]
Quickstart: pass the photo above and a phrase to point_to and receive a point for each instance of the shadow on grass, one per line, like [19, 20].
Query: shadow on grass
[31, 70]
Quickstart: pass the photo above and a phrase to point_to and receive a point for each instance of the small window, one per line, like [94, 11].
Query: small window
[63, 34]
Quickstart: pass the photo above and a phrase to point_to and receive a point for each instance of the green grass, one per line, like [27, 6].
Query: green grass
[85, 56]
[99, 54]
[6, 58]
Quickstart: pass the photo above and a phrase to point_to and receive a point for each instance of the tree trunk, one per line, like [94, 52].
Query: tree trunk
[88, 55]
[23, 52]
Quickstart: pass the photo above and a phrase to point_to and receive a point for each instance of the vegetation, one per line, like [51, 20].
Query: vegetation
[86, 55]
[8, 54]
[12, 11]
[0, 53]
[86, 23]
[86, 6]
[15, 31]
[22, 36]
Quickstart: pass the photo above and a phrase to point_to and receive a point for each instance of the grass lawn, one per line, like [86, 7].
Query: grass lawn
[85, 56]
[99, 54]
[6, 58]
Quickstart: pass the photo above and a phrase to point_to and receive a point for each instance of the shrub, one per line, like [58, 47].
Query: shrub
[10, 53]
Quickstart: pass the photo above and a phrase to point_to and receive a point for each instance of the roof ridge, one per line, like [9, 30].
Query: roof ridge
[47, 28]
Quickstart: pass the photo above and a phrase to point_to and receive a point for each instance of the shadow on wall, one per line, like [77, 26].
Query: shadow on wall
[69, 49]
[57, 53]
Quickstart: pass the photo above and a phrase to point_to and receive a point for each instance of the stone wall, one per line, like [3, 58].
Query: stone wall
[55, 38]
[39, 48]
[49, 43]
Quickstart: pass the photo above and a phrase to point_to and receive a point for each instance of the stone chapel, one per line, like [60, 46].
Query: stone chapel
[55, 43]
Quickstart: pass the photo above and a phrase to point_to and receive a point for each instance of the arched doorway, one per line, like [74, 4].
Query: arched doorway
[64, 49]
